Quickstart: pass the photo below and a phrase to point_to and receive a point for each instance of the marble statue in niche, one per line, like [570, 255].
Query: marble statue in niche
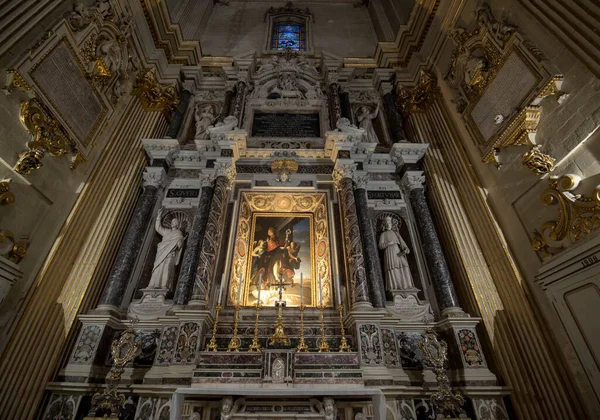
[365, 119]
[395, 264]
[204, 117]
[168, 253]
[278, 371]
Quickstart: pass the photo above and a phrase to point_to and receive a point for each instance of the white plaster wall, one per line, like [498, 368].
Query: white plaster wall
[341, 28]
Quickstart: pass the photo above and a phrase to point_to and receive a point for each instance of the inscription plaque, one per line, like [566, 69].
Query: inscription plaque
[183, 193]
[266, 124]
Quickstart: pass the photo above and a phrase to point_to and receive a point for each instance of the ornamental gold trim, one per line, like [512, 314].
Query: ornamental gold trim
[153, 95]
[6, 195]
[15, 81]
[419, 98]
[578, 216]
[48, 135]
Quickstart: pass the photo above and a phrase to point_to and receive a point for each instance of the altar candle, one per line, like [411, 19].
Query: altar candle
[221, 289]
[239, 299]
[320, 290]
[339, 289]
[301, 289]
[259, 283]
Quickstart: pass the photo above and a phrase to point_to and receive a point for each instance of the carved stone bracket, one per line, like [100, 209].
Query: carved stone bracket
[578, 216]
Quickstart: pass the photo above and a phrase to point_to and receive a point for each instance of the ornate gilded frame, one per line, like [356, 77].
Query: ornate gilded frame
[277, 204]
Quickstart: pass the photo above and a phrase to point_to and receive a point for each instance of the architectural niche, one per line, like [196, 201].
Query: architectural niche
[578, 216]
[494, 61]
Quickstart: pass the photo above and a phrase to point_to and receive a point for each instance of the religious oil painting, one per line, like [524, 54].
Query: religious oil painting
[282, 244]
[281, 259]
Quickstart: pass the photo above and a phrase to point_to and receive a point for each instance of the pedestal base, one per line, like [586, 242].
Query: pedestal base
[408, 307]
[151, 306]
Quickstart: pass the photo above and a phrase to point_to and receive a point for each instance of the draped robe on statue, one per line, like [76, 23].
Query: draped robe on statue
[397, 271]
[168, 252]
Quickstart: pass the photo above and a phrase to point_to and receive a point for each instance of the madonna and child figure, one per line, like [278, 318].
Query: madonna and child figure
[168, 253]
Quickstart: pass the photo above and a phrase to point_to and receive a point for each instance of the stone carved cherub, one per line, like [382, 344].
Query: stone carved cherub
[229, 408]
[327, 408]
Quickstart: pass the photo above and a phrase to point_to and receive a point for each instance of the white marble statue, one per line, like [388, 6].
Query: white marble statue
[365, 121]
[395, 264]
[204, 118]
[168, 253]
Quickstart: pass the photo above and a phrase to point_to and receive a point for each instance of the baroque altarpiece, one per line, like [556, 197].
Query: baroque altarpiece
[281, 262]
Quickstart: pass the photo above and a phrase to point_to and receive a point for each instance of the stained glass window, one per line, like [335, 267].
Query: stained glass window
[289, 35]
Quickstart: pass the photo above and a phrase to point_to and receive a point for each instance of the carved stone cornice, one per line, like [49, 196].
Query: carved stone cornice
[410, 100]
[153, 177]
[578, 216]
[153, 95]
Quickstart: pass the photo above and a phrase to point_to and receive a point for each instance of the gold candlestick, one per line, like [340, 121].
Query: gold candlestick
[255, 346]
[234, 344]
[323, 346]
[302, 347]
[344, 346]
[212, 346]
[279, 335]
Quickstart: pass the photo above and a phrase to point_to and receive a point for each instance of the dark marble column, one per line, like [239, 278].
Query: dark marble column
[369, 242]
[436, 261]
[132, 241]
[189, 263]
[345, 106]
[229, 94]
[238, 104]
[360, 295]
[393, 118]
[334, 104]
[211, 241]
[179, 114]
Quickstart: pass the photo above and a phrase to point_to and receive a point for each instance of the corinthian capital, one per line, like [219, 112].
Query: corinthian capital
[153, 177]
[412, 181]
[226, 169]
[361, 181]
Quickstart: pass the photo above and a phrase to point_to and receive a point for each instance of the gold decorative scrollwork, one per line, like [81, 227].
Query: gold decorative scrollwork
[15, 81]
[538, 162]
[48, 136]
[6, 195]
[578, 216]
[154, 95]
[419, 98]
[19, 249]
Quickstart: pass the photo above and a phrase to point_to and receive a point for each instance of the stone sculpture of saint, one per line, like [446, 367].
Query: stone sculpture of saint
[204, 117]
[395, 264]
[365, 121]
[168, 253]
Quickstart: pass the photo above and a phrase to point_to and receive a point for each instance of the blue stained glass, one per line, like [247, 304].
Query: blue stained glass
[288, 36]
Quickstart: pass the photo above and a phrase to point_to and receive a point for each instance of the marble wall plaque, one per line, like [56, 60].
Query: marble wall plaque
[183, 193]
[62, 80]
[504, 94]
[280, 124]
